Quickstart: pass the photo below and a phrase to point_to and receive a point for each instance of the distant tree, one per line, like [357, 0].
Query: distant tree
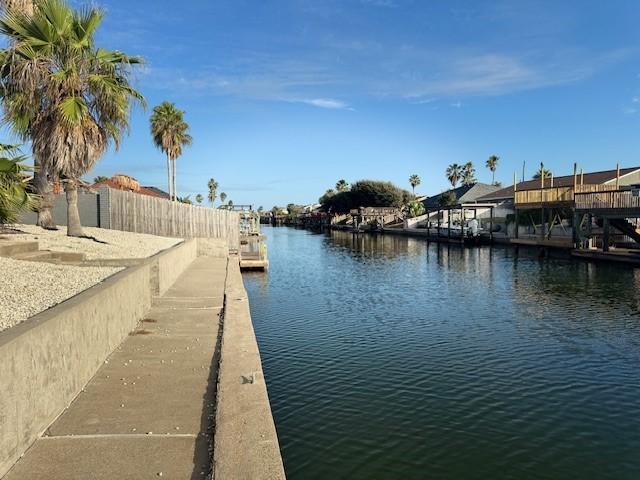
[100, 179]
[448, 198]
[540, 172]
[342, 186]
[468, 174]
[415, 209]
[212, 185]
[170, 134]
[454, 174]
[366, 193]
[327, 195]
[223, 197]
[414, 181]
[230, 203]
[260, 209]
[199, 198]
[492, 165]
[186, 200]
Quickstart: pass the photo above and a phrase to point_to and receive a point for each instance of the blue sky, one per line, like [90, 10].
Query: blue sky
[286, 97]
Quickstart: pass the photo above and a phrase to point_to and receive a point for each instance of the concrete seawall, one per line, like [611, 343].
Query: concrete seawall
[47, 360]
[245, 442]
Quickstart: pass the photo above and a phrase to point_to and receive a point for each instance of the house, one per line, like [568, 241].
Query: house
[463, 194]
[130, 184]
[544, 211]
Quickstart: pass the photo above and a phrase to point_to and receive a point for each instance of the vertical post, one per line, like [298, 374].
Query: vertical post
[617, 176]
[438, 228]
[491, 224]
[517, 220]
[581, 176]
[551, 180]
[541, 175]
[462, 220]
[543, 215]
[575, 229]
[449, 221]
[575, 176]
[605, 234]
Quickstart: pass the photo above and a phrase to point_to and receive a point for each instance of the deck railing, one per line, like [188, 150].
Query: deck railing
[544, 195]
[611, 199]
[566, 194]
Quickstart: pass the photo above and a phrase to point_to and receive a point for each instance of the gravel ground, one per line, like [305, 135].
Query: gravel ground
[118, 244]
[27, 288]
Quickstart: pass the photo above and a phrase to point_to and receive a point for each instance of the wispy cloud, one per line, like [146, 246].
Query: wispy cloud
[329, 103]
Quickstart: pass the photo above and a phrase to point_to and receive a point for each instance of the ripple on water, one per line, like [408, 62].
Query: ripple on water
[387, 357]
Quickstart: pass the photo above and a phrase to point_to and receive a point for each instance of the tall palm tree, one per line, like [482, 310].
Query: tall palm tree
[199, 198]
[223, 197]
[170, 134]
[414, 181]
[213, 190]
[342, 186]
[468, 174]
[68, 97]
[454, 174]
[492, 165]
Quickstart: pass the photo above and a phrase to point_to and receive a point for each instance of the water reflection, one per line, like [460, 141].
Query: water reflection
[388, 357]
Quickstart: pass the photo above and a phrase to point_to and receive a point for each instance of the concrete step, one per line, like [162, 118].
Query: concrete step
[11, 248]
[36, 256]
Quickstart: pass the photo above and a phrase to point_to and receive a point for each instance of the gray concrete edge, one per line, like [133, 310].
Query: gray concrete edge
[46, 360]
[245, 441]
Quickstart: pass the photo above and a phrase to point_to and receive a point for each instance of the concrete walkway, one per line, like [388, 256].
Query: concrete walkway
[148, 412]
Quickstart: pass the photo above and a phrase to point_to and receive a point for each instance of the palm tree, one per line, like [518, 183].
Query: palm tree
[468, 174]
[100, 179]
[24, 6]
[199, 198]
[540, 172]
[492, 165]
[454, 173]
[68, 97]
[414, 181]
[170, 134]
[223, 197]
[14, 197]
[342, 186]
[213, 189]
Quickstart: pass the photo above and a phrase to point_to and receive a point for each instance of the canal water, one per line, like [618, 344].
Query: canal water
[391, 358]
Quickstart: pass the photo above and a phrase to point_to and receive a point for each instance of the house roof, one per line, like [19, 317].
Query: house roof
[593, 178]
[464, 194]
[149, 191]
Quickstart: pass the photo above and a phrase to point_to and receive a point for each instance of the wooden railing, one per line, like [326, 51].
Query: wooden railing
[612, 199]
[544, 195]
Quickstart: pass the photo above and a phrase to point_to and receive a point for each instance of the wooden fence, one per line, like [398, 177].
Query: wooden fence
[132, 212]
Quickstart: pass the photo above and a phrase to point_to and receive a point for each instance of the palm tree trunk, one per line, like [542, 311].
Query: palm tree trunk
[493, 176]
[45, 191]
[74, 227]
[175, 185]
[169, 184]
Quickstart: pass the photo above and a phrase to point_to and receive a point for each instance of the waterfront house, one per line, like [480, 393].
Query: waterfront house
[544, 211]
